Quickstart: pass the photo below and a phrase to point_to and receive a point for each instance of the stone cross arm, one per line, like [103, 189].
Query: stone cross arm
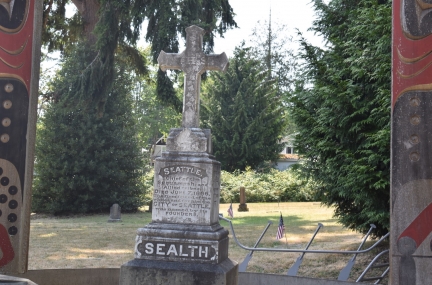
[218, 62]
[193, 62]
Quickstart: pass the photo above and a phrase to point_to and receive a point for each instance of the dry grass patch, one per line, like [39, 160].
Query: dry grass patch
[91, 242]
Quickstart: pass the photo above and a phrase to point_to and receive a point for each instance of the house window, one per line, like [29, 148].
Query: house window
[289, 150]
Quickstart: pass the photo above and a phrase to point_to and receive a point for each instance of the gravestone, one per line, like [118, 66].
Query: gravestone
[20, 37]
[411, 165]
[243, 207]
[184, 243]
[115, 214]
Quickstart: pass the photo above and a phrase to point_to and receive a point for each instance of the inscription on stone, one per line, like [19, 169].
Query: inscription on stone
[182, 250]
[181, 193]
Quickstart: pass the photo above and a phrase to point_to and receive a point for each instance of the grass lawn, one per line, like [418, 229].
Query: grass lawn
[91, 242]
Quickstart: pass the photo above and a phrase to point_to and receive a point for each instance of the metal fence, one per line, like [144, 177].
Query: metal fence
[344, 273]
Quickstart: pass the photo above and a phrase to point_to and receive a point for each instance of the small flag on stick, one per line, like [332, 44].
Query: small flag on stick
[230, 211]
[280, 229]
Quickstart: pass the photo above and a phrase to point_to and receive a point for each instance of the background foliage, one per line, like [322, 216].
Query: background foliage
[272, 186]
[244, 112]
[88, 153]
[87, 162]
[342, 110]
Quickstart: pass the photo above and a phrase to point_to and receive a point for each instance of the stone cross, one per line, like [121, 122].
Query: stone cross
[193, 62]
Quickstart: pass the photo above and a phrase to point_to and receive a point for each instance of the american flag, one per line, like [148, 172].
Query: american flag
[281, 228]
[230, 211]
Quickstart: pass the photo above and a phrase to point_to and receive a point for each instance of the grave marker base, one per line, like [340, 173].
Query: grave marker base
[154, 272]
[184, 243]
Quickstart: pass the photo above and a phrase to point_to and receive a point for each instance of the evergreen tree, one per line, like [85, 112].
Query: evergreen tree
[342, 110]
[89, 104]
[153, 119]
[272, 48]
[87, 162]
[244, 113]
[167, 21]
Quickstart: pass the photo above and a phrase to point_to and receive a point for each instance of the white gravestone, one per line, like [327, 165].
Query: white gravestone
[185, 241]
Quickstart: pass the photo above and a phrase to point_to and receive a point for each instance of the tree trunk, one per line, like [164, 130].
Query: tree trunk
[89, 13]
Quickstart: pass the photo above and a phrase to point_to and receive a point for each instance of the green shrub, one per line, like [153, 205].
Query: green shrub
[266, 187]
[273, 186]
[147, 182]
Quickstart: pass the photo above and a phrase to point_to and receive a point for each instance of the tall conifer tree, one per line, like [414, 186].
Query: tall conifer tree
[342, 111]
[94, 160]
[245, 114]
[87, 160]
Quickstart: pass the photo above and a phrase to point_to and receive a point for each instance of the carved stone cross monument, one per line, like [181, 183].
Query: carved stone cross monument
[184, 243]
[193, 62]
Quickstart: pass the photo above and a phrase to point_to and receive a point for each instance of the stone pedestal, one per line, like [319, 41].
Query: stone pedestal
[184, 243]
[141, 271]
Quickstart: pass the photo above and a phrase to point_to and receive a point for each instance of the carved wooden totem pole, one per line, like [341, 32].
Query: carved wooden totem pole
[20, 26]
[411, 182]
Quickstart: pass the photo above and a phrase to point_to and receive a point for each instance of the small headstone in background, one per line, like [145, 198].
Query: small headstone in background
[243, 207]
[115, 214]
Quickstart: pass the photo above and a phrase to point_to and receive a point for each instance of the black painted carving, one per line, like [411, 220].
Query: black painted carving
[13, 14]
[418, 20]
[15, 149]
[404, 132]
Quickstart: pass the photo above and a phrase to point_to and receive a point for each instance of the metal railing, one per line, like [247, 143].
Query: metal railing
[372, 265]
[301, 250]
[344, 274]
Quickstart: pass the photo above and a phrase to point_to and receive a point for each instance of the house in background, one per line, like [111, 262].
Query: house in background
[157, 148]
[287, 156]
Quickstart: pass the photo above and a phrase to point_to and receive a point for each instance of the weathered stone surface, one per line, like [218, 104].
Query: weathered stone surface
[184, 243]
[243, 207]
[189, 140]
[83, 276]
[115, 214]
[191, 243]
[175, 273]
[193, 62]
[186, 189]
[411, 166]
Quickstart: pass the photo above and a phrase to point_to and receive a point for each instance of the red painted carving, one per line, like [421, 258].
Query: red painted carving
[16, 49]
[420, 228]
[6, 247]
[412, 55]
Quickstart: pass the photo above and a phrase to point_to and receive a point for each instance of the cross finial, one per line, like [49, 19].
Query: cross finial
[193, 62]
